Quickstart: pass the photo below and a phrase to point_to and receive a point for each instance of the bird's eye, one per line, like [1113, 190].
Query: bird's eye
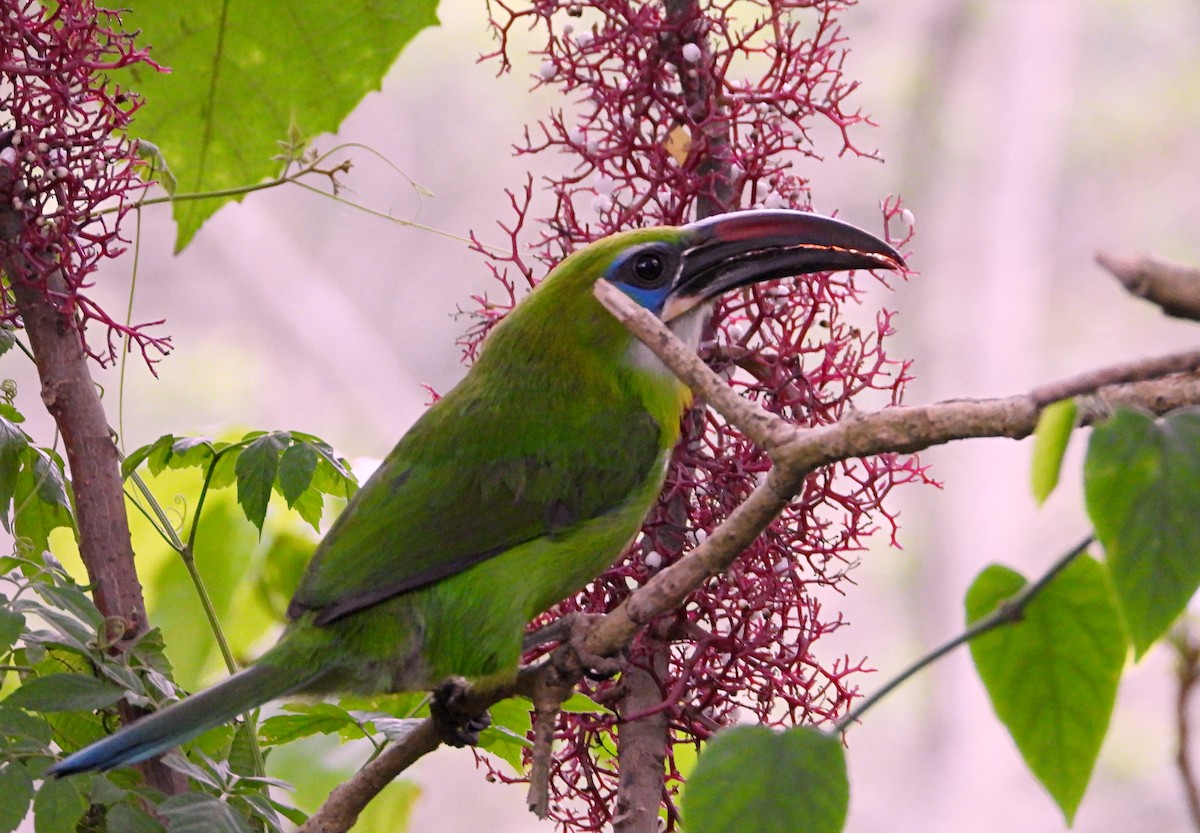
[648, 267]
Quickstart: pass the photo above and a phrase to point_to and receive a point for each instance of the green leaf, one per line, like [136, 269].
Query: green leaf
[1052, 677]
[157, 455]
[247, 76]
[7, 338]
[128, 818]
[1142, 486]
[23, 730]
[72, 599]
[58, 806]
[508, 736]
[12, 443]
[580, 703]
[333, 475]
[16, 791]
[751, 779]
[307, 719]
[195, 813]
[1050, 440]
[40, 499]
[191, 452]
[296, 468]
[65, 692]
[257, 467]
[11, 625]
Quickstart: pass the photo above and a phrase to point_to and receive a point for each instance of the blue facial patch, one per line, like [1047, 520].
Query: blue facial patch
[652, 299]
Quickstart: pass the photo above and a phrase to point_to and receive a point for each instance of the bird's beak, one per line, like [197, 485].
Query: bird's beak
[732, 250]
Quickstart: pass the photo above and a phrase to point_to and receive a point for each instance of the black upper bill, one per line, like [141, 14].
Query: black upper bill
[732, 250]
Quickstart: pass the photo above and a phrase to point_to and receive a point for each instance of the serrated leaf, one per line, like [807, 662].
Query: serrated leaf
[65, 692]
[257, 467]
[224, 468]
[752, 779]
[16, 791]
[310, 506]
[1050, 439]
[40, 499]
[333, 475]
[7, 338]
[195, 813]
[58, 806]
[12, 443]
[296, 468]
[305, 720]
[157, 455]
[241, 82]
[191, 452]
[1142, 486]
[1052, 677]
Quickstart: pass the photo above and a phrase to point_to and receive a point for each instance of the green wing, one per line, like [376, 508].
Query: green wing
[473, 478]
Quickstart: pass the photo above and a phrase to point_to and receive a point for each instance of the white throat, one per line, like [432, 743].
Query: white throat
[687, 327]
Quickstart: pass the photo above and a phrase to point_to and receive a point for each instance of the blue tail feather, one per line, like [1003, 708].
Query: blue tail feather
[180, 722]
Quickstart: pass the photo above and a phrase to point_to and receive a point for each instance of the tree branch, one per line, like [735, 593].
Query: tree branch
[70, 396]
[1157, 385]
[1174, 287]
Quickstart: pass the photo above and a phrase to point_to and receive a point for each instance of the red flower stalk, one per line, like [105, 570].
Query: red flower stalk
[67, 171]
[684, 110]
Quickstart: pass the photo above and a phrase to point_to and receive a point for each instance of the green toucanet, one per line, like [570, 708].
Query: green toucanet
[516, 488]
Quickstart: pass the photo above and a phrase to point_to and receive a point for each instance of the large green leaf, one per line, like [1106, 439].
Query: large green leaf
[256, 469]
[16, 791]
[1052, 676]
[249, 74]
[1142, 484]
[58, 806]
[12, 443]
[751, 779]
[40, 502]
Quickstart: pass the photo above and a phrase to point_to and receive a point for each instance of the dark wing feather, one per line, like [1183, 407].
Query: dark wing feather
[466, 484]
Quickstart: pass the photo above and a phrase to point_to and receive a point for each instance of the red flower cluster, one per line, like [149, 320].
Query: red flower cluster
[67, 171]
[682, 109]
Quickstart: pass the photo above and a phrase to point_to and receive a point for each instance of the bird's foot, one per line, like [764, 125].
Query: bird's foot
[457, 725]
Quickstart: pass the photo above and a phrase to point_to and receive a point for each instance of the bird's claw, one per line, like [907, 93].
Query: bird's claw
[456, 726]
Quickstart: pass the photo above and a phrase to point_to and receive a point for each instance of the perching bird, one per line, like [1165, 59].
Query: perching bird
[514, 490]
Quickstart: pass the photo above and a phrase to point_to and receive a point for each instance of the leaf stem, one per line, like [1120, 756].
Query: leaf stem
[1008, 612]
[187, 554]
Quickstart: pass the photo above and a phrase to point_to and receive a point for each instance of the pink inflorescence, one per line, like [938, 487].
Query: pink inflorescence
[67, 171]
[680, 109]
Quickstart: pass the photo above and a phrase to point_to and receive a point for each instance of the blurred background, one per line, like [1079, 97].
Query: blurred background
[1024, 135]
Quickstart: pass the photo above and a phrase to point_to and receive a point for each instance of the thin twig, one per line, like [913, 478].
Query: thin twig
[1007, 613]
[1188, 655]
